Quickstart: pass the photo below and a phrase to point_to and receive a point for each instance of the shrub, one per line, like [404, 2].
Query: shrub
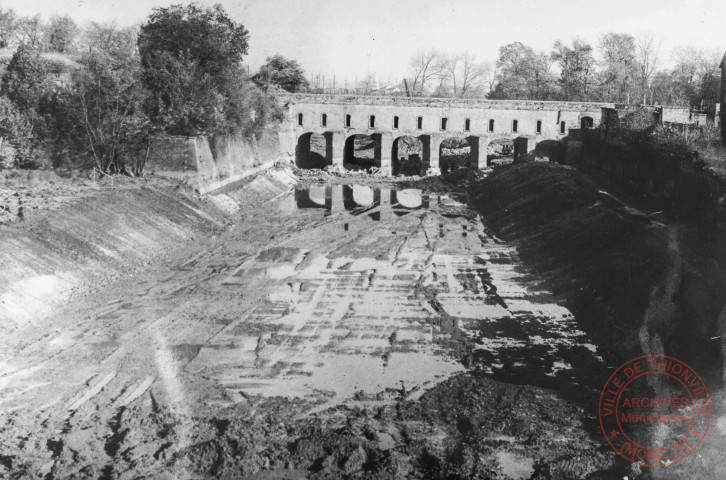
[15, 145]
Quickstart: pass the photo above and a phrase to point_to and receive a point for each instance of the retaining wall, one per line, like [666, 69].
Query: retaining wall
[215, 161]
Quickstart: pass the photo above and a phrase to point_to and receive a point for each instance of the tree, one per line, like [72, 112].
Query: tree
[101, 116]
[8, 26]
[523, 74]
[27, 84]
[646, 58]
[618, 65]
[108, 38]
[425, 67]
[191, 58]
[489, 72]
[14, 135]
[30, 31]
[464, 73]
[60, 34]
[207, 36]
[282, 72]
[576, 64]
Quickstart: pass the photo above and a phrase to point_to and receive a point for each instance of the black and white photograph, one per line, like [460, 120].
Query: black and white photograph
[374, 239]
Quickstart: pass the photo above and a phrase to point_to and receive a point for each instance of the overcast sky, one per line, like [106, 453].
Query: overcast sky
[347, 38]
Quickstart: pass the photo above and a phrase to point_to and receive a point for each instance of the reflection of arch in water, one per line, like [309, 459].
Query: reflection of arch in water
[454, 153]
[552, 149]
[410, 198]
[313, 197]
[312, 151]
[407, 155]
[360, 196]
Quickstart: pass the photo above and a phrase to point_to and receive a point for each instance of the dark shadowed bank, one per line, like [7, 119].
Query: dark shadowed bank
[639, 282]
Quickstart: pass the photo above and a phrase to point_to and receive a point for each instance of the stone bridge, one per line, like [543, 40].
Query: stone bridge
[331, 124]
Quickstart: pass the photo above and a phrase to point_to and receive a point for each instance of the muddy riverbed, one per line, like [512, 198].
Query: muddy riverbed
[334, 330]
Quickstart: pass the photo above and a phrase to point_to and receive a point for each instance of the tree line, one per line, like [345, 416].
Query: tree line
[621, 68]
[96, 95]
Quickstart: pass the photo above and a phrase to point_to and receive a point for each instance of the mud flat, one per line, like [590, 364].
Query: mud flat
[323, 331]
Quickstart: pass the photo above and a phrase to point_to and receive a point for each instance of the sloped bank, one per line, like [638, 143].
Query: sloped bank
[93, 239]
[638, 282]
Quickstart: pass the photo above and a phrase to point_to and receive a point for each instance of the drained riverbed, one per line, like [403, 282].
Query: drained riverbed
[317, 298]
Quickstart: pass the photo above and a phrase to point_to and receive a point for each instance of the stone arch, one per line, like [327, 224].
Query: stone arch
[360, 152]
[312, 151]
[554, 150]
[454, 153]
[407, 156]
[586, 122]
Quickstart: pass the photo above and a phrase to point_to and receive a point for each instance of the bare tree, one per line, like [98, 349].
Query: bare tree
[646, 57]
[472, 73]
[30, 31]
[489, 74]
[425, 66]
[450, 69]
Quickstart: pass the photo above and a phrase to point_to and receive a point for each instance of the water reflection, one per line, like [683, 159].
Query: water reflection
[375, 202]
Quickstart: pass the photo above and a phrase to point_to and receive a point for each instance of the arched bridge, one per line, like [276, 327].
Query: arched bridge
[324, 130]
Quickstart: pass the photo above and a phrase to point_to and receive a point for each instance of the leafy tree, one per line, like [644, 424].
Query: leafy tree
[282, 72]
[60, 34]
[191, 58]
[577, 65]
[617, 75]
[100, 116]
[8, 26]
[523, 73]
[27, 84]
[15, 144]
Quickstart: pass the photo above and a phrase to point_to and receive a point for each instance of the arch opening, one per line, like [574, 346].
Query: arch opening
[454, 153]
[501, 147]
[311, 151]
[553, 150]
[586, 122]
[360, 152]
[407, 156]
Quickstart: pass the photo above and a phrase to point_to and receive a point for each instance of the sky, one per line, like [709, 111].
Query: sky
[349, 38]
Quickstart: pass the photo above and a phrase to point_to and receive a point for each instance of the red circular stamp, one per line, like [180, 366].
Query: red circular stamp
[654, 410]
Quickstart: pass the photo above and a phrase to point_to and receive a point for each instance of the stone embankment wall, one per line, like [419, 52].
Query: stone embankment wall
[214, 161]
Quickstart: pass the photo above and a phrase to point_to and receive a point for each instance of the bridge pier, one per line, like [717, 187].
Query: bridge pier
[430, 158]
[478, 153]
[335, 148]
[384, 147]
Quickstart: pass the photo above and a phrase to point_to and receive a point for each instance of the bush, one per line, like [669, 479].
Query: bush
[15, 145]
